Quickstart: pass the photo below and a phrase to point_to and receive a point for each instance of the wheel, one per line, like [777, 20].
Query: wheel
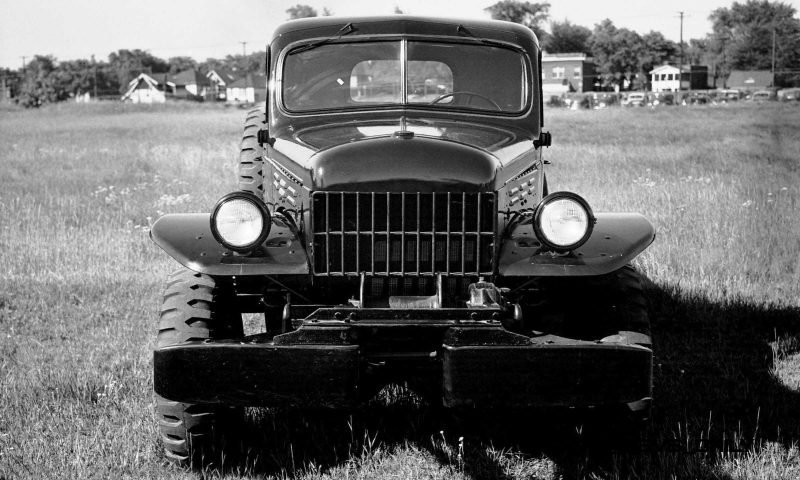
[594, 308]
[466, 94]
[589, 308]
[194, 308]
[251, 155]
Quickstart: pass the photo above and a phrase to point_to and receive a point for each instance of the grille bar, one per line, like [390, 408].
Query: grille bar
[404, 233]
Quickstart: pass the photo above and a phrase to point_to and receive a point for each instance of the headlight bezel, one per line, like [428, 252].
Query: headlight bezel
[266, 221]
[537, 217]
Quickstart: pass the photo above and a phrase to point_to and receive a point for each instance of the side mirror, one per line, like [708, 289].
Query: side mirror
[264, 138]
[544, 140]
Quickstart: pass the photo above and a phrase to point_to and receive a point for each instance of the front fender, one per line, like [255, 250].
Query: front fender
[187, 238]
[617, 239]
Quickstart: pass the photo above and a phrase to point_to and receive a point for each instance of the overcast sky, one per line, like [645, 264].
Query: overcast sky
[71, 29]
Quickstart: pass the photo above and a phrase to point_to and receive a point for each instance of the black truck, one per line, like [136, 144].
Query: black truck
[393, 223]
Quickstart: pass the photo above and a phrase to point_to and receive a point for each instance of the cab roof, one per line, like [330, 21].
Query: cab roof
[323, 27]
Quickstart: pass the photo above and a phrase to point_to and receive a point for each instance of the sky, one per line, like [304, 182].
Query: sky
[73, 29]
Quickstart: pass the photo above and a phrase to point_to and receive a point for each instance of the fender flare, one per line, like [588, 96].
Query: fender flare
[617, 239]
[187, 238]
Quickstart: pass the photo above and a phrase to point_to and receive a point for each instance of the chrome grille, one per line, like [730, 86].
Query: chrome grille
[410, 233]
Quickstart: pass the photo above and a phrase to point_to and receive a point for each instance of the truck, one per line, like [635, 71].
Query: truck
[392, 224]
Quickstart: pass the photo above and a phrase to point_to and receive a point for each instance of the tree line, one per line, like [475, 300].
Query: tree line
[754, 35]
[45, 79]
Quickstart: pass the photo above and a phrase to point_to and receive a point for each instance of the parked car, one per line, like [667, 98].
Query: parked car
[662, 99]
[385, 237]
[728, 96]
[696, 98]
[635, 99]
[789, 95]
[763, 96]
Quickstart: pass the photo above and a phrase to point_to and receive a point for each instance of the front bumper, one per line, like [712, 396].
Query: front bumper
[472, 363]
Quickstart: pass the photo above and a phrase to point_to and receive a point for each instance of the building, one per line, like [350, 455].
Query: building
[250, 89]
[191, 84]
[5, 90]
[750, 80]
[567, 72]
[669, 78]
[149, 88]
[219, 79]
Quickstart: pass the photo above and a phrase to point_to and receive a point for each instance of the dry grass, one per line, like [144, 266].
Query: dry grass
[81, 284]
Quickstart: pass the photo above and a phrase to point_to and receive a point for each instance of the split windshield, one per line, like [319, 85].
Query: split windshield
[437, 75]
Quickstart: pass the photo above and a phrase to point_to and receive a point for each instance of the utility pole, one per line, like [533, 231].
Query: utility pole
[680, 68]
[94, 82]
[244, 48]
[23, 63]
[773, 54]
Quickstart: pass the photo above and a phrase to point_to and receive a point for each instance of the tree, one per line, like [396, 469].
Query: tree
[127, 64]
[397, 10]
[301, 11]
[742, 35]
[39, 85]
[532, 15]
[566, 37]
[179, 64]
[616, 53]
[655, 50]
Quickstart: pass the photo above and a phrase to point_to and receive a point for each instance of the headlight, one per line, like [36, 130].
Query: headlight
[240, 221]
[563, 221]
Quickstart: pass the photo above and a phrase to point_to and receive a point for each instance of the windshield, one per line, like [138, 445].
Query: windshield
[437, 75]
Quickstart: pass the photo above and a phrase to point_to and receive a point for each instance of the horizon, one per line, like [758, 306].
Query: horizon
[179, 28]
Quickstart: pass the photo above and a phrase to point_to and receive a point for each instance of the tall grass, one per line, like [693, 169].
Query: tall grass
[80, 288]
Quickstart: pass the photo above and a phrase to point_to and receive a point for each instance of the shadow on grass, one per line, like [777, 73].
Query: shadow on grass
[716, 396]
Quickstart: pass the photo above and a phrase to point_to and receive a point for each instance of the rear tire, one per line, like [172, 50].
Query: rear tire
[251, 155]
[194, 308]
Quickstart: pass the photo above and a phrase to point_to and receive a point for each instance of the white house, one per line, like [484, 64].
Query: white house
[249, 89]
[220, 79]
[190, 83]
[667, 78]
[146, 89]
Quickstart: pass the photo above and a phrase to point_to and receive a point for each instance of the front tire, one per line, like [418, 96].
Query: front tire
[591, 308]
[194, 307]
[251, 155]
[611, 308]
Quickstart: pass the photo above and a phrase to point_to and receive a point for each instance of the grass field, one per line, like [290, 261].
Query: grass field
[81, 281]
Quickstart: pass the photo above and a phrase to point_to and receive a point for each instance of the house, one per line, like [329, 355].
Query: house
[750, 79]
[251, 88]
[567, 72]
[219, 79]
[669, 78]
[5, 90]
[149, 88]
[191, 84]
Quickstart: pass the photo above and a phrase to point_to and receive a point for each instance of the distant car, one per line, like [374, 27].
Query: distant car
[728, 95]
[789, 95]
[763, 96]
[696, 98]
[661, 99]
[635, 99]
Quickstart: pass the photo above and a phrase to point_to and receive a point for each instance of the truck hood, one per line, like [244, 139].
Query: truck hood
[403, 163]
[420, 155]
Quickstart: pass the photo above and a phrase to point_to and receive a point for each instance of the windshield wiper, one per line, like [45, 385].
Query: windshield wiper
[349, 28]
